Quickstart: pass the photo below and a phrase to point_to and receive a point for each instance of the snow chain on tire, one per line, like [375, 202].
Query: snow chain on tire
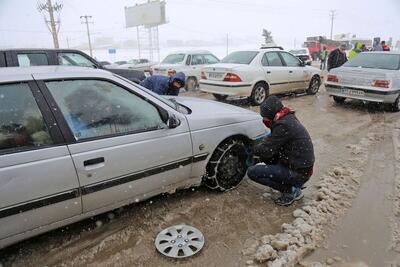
[213, 177]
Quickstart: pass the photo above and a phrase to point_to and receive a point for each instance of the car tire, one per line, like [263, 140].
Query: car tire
[314, 85]
[259, 94]
[339, 99]
[220, 97]
[395, 107]
[227, 166]
[191, 84]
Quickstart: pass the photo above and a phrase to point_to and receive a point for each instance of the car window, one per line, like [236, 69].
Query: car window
[375, 61]
[189, 57]
[173, 59]
[264, 60]
[74, 59]
[21, 122]
[273, 59]
[32, 59]
[94, 108]
[197, 60]
[240, 57]
[210, 59]
[290, 60]
[2, 60]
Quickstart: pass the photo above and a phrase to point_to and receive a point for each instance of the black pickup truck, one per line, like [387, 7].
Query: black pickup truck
[66, 57]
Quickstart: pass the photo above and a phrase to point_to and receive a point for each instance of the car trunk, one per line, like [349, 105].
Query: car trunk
[217, 72]
[360, 76]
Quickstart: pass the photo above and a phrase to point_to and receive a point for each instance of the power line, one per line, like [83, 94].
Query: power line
[86, 17]
[332, 14]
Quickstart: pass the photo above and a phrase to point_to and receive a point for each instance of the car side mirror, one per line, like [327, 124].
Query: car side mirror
[173, 122]
[302, 64]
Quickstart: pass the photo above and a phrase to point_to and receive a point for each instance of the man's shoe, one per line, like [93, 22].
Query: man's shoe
[287, 199]
[297, 193]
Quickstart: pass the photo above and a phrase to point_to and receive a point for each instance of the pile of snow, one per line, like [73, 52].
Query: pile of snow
[335, 192]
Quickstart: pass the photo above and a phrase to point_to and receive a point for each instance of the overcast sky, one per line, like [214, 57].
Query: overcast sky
[21, 25]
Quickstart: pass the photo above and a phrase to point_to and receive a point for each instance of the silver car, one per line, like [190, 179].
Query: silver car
[76, 142]
[370, 76]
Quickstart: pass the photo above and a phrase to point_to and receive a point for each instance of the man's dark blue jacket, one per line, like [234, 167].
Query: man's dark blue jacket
[162, 85]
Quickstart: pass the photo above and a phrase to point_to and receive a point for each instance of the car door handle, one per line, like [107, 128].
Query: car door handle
[290, 71]
[268, 72]
[94, 161]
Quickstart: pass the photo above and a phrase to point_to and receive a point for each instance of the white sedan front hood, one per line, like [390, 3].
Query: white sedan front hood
[208, 113]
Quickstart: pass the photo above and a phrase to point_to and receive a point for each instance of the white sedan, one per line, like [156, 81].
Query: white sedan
[76, 142]
[370, 76]
[259, 73]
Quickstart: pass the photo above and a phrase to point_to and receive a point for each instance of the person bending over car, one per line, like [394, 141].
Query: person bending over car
[163, 85]
[287, 153]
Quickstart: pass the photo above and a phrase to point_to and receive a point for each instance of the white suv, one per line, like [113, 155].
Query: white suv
[188, 62]
[258, 73]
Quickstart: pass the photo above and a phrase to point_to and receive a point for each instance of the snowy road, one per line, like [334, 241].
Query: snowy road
[234, 222]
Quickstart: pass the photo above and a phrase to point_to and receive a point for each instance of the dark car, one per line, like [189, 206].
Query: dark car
[65, 57]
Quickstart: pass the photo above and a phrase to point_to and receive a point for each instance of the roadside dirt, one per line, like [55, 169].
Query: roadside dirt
[234, 222]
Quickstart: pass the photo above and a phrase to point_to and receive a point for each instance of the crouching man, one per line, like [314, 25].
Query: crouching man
[164, 85]
[287, 152]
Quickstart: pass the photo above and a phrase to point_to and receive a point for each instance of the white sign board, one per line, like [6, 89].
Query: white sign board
[149, 14]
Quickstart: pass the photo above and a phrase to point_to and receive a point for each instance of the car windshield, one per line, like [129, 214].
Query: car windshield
[240, 57]
[174, 59]
[375, 61]
[298, 52]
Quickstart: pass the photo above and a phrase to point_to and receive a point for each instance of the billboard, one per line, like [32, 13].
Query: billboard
[148, 14]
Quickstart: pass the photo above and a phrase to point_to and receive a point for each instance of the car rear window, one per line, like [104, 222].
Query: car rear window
[298, 52]
[375, 61]
[240, 57]
[32, 59]
[174, 59]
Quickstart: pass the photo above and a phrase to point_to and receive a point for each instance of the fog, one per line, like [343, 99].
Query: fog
[290, 21]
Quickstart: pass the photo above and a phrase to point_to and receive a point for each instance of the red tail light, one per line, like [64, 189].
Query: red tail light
[203, 76]
[381, 83]
[332, 78]
[231, 77]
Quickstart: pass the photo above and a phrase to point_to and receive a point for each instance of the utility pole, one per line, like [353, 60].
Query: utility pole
[52, 24]
[332, 14]
[86, 17]
[67, 42]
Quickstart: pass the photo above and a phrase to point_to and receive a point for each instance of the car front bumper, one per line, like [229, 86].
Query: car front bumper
[365, 94]
[230, 89]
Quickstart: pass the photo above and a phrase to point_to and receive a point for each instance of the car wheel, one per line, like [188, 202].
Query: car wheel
[220, 97]
[395, 107]
[191, 83]
[227, 166]
[259, 94]
[338, 99]
[314, 85]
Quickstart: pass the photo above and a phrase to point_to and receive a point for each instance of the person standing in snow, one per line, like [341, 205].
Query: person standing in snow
[356, 50]
[164, 85]
[337, 57]
[323, 56]
[287, 153]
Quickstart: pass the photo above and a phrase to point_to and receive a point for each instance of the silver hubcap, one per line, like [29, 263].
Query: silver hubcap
[259, 94]
[179, 241]
[191, 84]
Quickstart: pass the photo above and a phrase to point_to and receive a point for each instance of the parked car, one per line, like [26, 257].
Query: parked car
[303, 54]
[371, 76]
[188, 62]
[65, 57]
[76, 142]
[138, 64]
[258, 73]
[121, 62]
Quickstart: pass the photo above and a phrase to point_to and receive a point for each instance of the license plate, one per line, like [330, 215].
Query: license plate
[215, 75]
[353, 92]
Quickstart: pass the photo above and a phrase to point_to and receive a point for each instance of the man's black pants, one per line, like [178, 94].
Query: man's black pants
[278, 177]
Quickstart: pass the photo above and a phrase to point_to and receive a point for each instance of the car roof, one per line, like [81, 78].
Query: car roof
[41, 49]
[15, 74]
[191, 52]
